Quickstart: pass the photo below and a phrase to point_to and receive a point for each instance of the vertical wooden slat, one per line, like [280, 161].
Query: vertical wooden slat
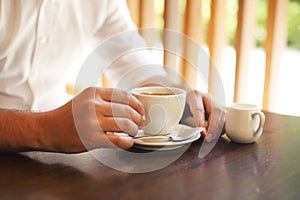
[244, 44]
[216, 43]
[134, 8]
[171, 21]
[274, 45]
[148, 18]
[147, 14]
[192, 28]
[193, 20]
[171, 14]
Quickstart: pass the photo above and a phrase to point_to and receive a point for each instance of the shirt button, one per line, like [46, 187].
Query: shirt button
[43, 40]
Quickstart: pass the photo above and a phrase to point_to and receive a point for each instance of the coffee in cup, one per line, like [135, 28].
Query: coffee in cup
[164, 107]
[244, 123]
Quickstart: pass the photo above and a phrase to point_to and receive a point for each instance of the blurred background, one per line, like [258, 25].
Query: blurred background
[254, 44]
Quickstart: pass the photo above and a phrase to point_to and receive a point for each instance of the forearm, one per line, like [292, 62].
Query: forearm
[19, 130]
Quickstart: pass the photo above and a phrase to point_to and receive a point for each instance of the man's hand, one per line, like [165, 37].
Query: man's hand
[93, 113]
[79, 125]
[201, 105]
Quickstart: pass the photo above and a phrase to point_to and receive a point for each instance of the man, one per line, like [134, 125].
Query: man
[40, 41]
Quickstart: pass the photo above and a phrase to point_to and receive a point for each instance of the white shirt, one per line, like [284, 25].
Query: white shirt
[41, 40]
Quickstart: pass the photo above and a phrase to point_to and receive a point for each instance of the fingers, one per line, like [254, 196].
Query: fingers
[98, 139]
[216, 124]
[194, 99]
[216, 118]
[200, 104]
[121, 97]
[123, 142]
[119, 111]
[118, 125]
[101, 110]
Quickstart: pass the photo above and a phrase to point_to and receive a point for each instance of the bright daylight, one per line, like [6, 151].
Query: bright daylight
[149, 99]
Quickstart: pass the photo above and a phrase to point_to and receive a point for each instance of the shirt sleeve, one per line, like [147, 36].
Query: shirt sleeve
[128, 59]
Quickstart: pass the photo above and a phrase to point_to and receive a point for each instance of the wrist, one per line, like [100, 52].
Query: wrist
[35, 131]
[18, 131]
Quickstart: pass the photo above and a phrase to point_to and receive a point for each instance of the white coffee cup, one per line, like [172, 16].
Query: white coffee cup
[164, 107]
[244, 123]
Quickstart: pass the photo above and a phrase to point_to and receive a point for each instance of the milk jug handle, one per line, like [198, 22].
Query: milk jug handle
[261, 116]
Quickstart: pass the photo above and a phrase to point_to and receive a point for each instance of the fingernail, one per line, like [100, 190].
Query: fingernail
[208, 138]
[128, 141]
[142, 110]
[141, 126]
[142, 121]
[204, 133]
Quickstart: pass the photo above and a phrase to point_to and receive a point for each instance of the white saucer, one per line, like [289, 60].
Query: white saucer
[157, 148]
[166, 145]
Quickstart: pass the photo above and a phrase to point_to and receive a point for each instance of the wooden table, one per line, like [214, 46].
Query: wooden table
[267, 169]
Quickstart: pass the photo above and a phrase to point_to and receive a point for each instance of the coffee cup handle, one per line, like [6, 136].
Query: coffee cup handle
[261, 116]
